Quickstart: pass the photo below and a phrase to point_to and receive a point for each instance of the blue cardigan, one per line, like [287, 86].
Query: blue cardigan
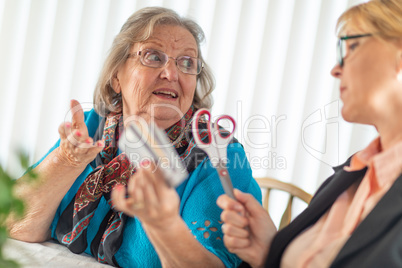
[198, 207]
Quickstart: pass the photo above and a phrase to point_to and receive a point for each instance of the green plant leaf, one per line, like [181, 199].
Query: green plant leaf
[8, 263]
[3, 235]
[18, 207]
[10, 204]
[24, 159]
[5, 193]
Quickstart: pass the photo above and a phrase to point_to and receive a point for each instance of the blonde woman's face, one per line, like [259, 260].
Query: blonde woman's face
[368, 79]
[162, 94]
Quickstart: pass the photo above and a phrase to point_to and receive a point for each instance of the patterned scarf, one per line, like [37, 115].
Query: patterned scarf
[114, 169]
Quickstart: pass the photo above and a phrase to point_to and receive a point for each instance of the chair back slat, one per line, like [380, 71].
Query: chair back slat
[266, 198]
[287, 215]
[269, 184]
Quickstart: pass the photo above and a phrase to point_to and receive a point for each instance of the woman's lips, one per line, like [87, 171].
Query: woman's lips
[166, 93]
[165, 97]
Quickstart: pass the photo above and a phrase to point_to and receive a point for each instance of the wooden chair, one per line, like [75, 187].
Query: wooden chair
[269, 183]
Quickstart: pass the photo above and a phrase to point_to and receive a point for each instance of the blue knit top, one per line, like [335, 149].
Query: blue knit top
[198, 207]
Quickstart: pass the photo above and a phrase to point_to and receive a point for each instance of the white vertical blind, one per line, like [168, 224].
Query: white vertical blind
[13, 27]
[271, 59]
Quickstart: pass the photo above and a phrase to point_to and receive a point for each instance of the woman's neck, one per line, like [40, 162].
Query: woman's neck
[390, 135]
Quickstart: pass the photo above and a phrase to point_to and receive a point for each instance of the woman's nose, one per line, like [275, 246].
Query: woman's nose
[336, 70]
[170, 70]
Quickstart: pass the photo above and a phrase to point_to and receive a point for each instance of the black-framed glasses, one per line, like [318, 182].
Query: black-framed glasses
[156, 59]
[342, 48]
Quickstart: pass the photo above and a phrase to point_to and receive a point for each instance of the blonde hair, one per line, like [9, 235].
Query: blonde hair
[380, 17]
[138, 28]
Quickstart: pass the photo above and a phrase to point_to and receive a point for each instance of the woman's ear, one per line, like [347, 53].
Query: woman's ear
[116, 84]
[398, 44]
[398, 62]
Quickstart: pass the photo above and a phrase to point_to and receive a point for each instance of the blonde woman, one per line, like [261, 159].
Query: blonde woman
[355, 217]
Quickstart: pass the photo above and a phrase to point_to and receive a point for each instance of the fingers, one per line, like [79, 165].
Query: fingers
[76, 139]
[119, 199]
[76, 131]
[152, 185]
[234, 218]
[150, 194]
[74, 136]
[227, 203]
[135, 190]
[64, 130]
[76, 147]
[155, 175]
[78, 118]
[252, 206]
[233, 244]
[148, 197]
[232, 230]
[235, 222]
[141, 194]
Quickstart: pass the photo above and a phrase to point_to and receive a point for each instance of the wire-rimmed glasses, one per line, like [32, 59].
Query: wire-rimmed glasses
[156, 59]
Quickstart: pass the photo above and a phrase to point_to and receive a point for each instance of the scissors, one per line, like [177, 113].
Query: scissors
[214, 141]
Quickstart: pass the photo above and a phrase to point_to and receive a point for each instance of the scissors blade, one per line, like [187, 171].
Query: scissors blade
[132, 143]
[156, 147]
[173, 166]
[225, 180]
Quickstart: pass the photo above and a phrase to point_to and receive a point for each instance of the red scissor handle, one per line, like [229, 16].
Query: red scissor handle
[227, 117]
[196, 130]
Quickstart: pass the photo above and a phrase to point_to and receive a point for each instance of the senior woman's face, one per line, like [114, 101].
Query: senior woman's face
[162, 94]
[368, 79]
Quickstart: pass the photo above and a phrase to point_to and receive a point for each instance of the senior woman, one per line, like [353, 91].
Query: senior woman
[355, 218]
[155, 70]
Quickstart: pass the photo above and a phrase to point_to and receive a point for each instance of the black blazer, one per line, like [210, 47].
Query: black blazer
[377, 240]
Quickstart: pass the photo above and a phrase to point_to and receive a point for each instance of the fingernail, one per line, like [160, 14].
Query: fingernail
[88, 141]
[118, 187]
[78, 133]
[68, 124]
[100, 143]
[238, 207]
[145, 163]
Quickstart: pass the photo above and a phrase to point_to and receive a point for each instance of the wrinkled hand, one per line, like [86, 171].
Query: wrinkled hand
[149, 198]
[250, 236]
[76, 147]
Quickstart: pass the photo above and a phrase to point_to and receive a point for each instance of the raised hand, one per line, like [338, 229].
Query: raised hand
[248, 229]
[76, 147]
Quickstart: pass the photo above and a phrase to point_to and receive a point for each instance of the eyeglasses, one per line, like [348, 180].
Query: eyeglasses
[157, 59]
[342, 49]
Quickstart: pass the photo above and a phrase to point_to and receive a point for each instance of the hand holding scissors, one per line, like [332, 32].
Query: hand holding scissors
[214, 142]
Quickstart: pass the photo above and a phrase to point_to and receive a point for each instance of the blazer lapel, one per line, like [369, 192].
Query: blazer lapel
[386, 212]
[323, 199]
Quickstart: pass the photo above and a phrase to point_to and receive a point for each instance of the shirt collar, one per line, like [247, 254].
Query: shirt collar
[362, 159]
[387, 164]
